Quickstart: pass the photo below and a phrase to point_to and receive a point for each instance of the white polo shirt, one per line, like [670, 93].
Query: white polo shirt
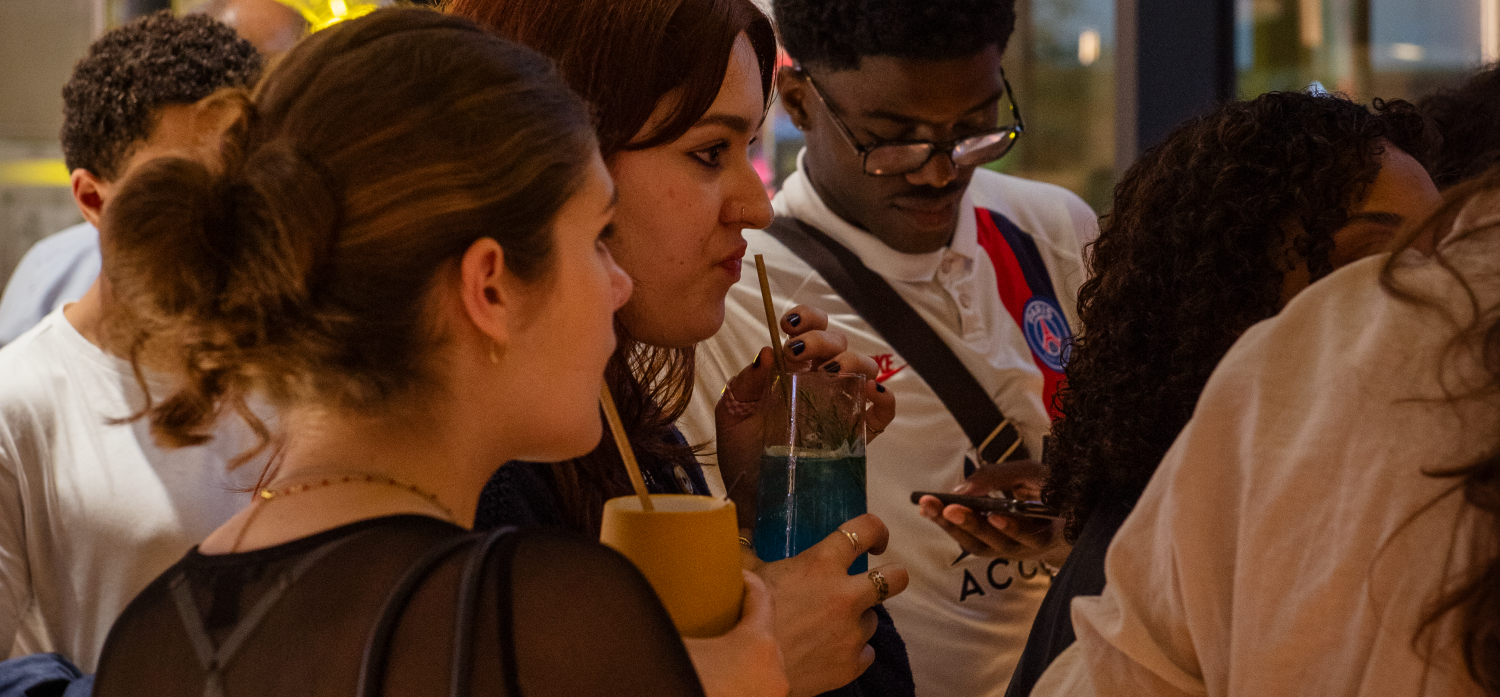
[966, 623]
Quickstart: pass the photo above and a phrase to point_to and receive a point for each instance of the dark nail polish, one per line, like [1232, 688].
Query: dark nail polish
[794, 319]
[879, 387]
[797, 347]
[755, 363]
[832, 367]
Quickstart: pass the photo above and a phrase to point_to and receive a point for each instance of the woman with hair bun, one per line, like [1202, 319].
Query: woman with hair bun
[403, 253]
[680, 88]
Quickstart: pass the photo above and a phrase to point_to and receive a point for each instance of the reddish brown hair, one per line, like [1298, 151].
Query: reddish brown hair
[626, 57]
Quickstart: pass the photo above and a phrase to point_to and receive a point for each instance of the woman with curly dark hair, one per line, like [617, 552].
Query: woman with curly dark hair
[1328, 522]
[1212, 231]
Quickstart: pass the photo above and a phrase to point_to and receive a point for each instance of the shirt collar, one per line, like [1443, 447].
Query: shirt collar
[799, 199]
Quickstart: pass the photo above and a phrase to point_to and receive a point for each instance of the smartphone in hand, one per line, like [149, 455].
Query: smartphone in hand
[993, 504]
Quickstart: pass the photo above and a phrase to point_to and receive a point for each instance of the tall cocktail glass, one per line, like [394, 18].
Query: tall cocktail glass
[812, 466]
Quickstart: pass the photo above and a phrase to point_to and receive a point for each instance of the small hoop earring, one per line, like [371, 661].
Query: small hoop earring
[494, 358]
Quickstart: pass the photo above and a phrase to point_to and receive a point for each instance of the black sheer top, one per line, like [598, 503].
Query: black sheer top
[554, 614]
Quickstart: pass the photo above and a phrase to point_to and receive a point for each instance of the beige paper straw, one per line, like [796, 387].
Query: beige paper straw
[627, 453]
[771, 323]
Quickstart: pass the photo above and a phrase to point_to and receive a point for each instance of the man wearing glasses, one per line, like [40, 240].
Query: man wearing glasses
[901, 103]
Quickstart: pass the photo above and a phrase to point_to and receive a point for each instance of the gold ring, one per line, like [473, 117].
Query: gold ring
[882, 589]
[853, 538]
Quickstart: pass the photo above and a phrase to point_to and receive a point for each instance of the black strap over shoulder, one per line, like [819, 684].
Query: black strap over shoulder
[377, 648]
[994, 436]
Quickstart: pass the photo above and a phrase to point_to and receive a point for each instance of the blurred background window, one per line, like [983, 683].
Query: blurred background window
[1061, 63]
[1097, 80]
[1363, 48]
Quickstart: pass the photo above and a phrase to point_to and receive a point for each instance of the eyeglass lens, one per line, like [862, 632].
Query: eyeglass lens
[910, 157]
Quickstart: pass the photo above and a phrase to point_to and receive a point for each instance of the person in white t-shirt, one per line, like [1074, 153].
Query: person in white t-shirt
[967, 248]
[1326, 523]
[91, 509]
[60, 267]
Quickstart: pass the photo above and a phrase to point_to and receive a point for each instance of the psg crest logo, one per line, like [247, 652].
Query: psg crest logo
[1046, 332]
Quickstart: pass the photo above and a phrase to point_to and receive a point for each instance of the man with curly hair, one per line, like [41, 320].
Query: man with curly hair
[90, 509]
[123, 103]
[901, 102]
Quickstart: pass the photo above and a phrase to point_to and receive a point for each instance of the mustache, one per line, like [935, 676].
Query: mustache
[933, 193]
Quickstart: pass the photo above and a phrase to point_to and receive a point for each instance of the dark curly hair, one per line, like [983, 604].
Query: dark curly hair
[1466, 118]
[837, 33]
[1193, 254]
[111, 100]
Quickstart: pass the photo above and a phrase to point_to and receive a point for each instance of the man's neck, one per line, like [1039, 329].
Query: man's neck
[87, 315]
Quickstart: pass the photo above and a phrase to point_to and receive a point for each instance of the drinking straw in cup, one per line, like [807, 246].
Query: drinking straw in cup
[812, 466]
[687, 546]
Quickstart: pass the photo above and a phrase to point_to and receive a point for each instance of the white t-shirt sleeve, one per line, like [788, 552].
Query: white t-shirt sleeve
[15, 571]
[1170, 574]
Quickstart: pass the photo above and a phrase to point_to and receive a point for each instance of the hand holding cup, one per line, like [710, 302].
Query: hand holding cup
[824, 619]
[739, 416]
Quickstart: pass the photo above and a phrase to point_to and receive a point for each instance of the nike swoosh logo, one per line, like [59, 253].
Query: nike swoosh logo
[889, 373]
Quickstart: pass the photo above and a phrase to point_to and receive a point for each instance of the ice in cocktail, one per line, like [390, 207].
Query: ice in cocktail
[812, 467]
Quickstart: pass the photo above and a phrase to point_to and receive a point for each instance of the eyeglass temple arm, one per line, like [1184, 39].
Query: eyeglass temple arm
[848, 134]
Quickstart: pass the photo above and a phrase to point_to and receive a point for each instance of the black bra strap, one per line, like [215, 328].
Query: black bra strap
[214, 659]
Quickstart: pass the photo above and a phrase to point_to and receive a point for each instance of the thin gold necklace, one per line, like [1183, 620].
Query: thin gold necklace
[266, 495]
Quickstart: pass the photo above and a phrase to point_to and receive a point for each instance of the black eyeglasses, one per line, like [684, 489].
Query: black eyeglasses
[893, 157]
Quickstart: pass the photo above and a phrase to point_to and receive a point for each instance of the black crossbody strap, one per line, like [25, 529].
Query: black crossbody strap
[378, 645]
[869, 294]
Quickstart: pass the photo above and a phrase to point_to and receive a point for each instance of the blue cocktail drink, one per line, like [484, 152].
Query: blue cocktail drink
[803, 499]
[812, 470]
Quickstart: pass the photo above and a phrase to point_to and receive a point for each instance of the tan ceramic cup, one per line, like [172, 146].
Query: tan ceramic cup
[688, 548]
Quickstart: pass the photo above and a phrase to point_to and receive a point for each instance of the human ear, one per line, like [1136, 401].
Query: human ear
[89, 192]
[487, 291]
[792, 84]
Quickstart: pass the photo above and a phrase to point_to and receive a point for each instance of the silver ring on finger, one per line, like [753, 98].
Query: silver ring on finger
[882, 589]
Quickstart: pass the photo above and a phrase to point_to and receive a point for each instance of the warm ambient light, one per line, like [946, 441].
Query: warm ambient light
[1088, 46]
[1407, 52]
[1489, 31]
[1310, 14]
[321, 14]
